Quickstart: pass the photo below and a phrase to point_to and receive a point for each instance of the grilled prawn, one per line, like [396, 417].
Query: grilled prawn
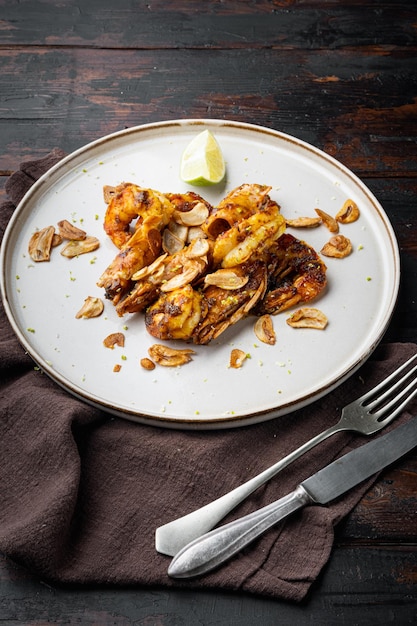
[166, 274]
[223, 307]
[129, 202]
[296, 274]
[249, 237]
[239, 204]
[141, 249]
[175, 314]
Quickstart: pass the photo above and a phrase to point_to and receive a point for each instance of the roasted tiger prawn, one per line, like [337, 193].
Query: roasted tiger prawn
[194, 270]
[295, 274]
[153, 211]
[224, 307]
[129, 202]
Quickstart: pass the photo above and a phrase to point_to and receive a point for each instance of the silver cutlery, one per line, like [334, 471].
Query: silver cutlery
[366, 415]
[207, 552]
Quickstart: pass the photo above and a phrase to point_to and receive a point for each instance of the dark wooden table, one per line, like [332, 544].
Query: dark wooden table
[341, 75]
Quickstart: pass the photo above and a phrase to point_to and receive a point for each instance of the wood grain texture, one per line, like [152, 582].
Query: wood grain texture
[376, 585]
[168, 24]
[341, 75]
[361, 110]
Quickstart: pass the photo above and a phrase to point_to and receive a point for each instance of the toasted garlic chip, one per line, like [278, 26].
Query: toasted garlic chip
[195, 217]
[304, 222]
[40, 244]
[328, 221]
[108, 193]
[114, 339]
[171, 243]
[179, 230]
[226, 279]
[75, 248]
[147, 364]
[264, 330]
[198, 247]
[56, 240]
[308, 318]
[92, 307]
[237, 358]
[348, 213]
[338, 247]
[150, 269]
[190, 271]
[169, 357]
[195, 232]
[69, 231]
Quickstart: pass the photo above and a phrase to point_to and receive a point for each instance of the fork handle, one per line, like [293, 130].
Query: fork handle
[172, 537]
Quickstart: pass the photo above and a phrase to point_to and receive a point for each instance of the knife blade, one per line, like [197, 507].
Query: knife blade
[212, 549]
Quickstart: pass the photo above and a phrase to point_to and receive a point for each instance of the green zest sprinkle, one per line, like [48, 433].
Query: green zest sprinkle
[368, 278]
[123, 357]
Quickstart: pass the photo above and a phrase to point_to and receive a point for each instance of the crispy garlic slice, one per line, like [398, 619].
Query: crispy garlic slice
[328, 221]
[308, 317]
[74, 248]
[114, 339]
[92, 307]
[226, 279]
[169, 357]
[147, 364]
[108, 193]
[264, 329]
[237, 358]
[170, 242]
[69, 231]
[338, 247]
[191, 269]
[304, 222]
[195, 217]
[40, 244]
[348, 213]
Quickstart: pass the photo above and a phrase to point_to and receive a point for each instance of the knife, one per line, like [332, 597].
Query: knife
[209, 551]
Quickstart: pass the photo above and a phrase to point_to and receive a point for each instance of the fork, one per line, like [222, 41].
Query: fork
[366, 415]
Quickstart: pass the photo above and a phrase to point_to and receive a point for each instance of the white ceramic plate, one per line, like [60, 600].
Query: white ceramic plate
[41, 299]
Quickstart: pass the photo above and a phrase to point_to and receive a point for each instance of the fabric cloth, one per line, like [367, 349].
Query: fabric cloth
[81, 492]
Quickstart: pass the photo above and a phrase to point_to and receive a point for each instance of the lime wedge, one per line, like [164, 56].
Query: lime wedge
[202, 162]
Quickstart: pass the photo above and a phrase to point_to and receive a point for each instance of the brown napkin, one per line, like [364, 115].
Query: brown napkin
[81, 493]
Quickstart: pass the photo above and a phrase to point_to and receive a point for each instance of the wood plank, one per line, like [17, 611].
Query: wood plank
[358, 586]
[287, 24]
[66, 98]
[386, 513]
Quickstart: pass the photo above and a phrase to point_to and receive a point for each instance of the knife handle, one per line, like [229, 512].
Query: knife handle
[212, 549]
